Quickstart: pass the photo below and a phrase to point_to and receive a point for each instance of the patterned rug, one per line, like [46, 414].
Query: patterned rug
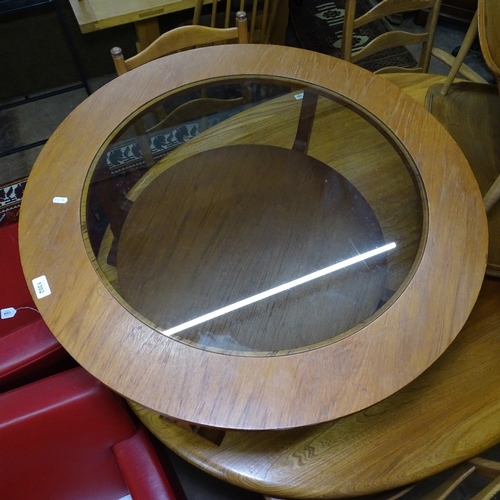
[318, 26]
[10, 200]
[124, 162]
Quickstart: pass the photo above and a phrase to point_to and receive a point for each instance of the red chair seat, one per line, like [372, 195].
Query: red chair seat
[68, 436]
[26, 344]
[27, 350]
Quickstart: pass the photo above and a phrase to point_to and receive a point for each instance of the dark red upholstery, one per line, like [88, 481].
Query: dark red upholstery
[68, 436]
[26, 343]
[14, 291]
[145, 479]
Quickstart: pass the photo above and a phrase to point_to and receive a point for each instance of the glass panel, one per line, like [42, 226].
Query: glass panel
[254, 218]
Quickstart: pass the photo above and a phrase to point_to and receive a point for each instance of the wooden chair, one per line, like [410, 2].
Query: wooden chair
[262, 17]
[392, 38]
[182, 38]
[397, 38]
[385, 41]
[176, 40]
[471, 114]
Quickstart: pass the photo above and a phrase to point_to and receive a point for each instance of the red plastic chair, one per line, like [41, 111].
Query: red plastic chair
[28, 350]
[68, 436]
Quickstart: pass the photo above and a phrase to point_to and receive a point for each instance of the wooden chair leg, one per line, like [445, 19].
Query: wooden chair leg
[485, 467]
[489, 491]
[443, 490]
[197, 11]
[493, 194]
[491, 470]
[470, 36]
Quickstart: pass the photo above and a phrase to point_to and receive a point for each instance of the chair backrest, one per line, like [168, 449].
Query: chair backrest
[182, 38]
[261, 16]
[391, 38]
[489, 34]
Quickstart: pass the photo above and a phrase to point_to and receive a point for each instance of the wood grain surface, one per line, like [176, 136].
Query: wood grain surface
[94, 15]
[357, 150]
[447, 415]
[230, 223]
[184, 382]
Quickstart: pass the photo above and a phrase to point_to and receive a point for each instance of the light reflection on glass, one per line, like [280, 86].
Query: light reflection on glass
[281, 288]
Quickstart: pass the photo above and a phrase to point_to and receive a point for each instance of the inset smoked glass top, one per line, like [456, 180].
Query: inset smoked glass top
[254, 218]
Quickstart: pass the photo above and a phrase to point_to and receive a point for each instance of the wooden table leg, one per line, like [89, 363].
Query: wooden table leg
[278, 29]
[147, 31]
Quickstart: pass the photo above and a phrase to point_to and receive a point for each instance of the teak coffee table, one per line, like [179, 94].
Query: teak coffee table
[253, 237]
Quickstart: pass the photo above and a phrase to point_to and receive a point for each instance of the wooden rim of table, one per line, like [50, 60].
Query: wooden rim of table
[234, 392]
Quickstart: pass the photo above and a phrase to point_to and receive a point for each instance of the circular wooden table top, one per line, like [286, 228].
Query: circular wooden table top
[133, 356]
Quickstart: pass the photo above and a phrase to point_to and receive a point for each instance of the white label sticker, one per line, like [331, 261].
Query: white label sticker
[8, 312]
[41, 287]
[60, 199]
[298, 97]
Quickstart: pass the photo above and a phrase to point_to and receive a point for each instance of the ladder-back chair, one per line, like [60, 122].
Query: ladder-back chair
[396, 38]
[390, 39]
[176, 40]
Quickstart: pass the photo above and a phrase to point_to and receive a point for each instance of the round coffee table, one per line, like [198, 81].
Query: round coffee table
[272, 240]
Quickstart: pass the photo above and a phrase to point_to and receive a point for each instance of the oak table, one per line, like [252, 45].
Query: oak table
[444, 417]
[204, 268]
[93, 15]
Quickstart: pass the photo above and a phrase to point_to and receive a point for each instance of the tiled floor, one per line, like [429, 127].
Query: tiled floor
[32, 122]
